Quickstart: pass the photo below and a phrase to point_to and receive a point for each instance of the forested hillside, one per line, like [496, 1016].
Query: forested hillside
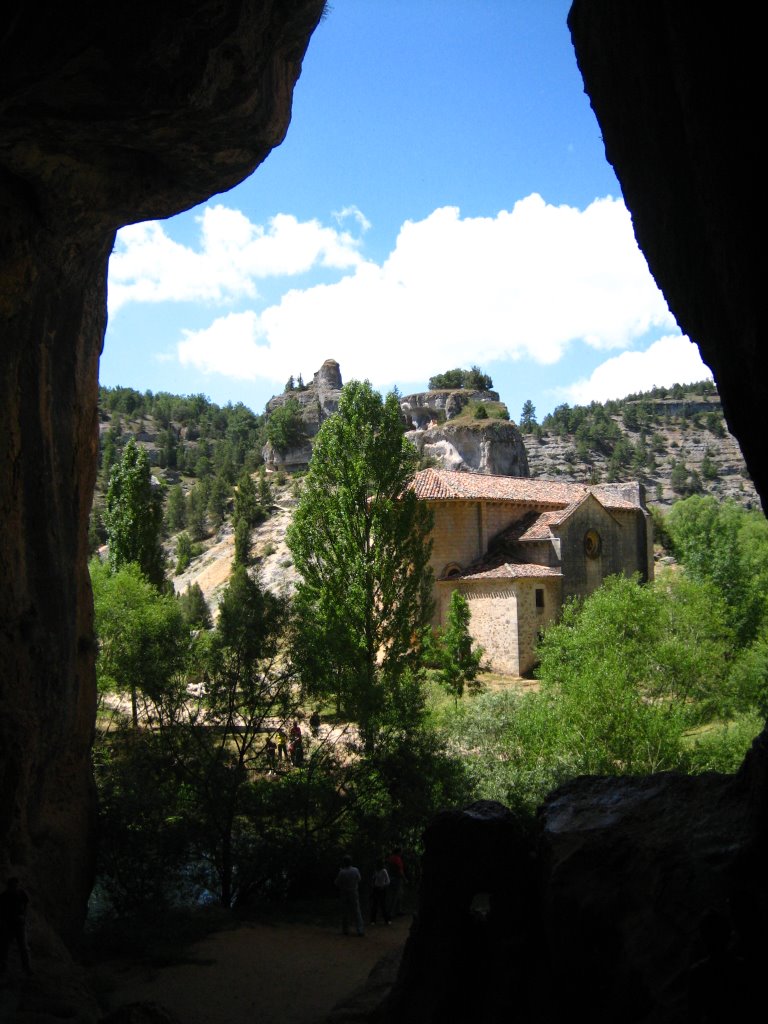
[672, 439]
[196, 448]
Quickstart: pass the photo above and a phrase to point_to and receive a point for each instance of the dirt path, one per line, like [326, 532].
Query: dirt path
[270, 974]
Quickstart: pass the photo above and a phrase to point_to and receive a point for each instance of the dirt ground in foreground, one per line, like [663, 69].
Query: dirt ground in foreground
[267, 973]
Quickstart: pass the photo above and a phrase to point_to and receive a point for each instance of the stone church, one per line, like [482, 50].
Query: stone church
[517, 548]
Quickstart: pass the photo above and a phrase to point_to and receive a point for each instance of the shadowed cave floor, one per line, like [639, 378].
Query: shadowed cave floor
[292, 973]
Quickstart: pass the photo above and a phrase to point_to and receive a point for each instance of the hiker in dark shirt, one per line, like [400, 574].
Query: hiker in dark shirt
[13, 924]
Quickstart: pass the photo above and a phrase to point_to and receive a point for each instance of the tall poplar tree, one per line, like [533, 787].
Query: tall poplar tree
[359, 539]
[133, 516]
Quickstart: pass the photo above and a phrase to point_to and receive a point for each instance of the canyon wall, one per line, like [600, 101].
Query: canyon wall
[110, 114]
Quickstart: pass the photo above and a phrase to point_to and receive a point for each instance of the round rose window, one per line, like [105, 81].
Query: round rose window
[592, 543]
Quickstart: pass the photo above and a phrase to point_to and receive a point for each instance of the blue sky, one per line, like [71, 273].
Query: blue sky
[442, 199]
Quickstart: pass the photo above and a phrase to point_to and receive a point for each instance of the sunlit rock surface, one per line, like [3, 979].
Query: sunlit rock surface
[488, 446]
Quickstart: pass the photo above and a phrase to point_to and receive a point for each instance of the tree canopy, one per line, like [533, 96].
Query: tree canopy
[285, 426]
[473, 379]
[728, 546]
[141, 632]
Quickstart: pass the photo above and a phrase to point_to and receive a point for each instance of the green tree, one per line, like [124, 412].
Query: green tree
[728, 546]
[197, 503]
[247, 513]
[630, 417]
[109, 451]
[266, 498]
[176, 509]
[679, 478]
[359, 540]
[631, 667]
[184, 552]
[214, 735]
[476, 380]
[473, 379]
[285, 426]
[133, 516]
[194, 608]
[218, 498]
[141, 633]
[528, 417]
[144, 850]
[450, 379]
[452, 652]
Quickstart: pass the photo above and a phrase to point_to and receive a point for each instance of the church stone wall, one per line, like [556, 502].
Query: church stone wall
[457, 534]
[493, 622]
[531, 619]
[505, 618]
[464, 529]
[620, 548]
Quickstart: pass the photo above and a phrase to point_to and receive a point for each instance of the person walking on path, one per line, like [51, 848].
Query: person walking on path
[13, 924]
[348, 884]
[380, 893]
[396, 869]
[270, 748]
[282, 745]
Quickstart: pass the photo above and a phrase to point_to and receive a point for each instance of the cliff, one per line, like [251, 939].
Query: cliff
[485, 447]
[465, 430]
[317, 401]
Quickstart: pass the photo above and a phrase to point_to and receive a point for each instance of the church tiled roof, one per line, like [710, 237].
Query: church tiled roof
[448, 485]
[512, 571]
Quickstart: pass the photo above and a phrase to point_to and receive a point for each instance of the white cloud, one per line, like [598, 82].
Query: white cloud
[357, 215]
[526, 283]
[234, 253]
[669, 360]
[227, 346]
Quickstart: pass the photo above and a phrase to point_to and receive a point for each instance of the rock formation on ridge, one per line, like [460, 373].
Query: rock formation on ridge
[317, 401]
[452, 441]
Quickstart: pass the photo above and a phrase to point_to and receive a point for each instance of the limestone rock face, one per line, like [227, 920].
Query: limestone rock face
[597, 914]
[425, 407]
[110, 114]
[493, 446]
[666, 131]
[328, 377]
[291, 459]
[482, 446]
[318, 401]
